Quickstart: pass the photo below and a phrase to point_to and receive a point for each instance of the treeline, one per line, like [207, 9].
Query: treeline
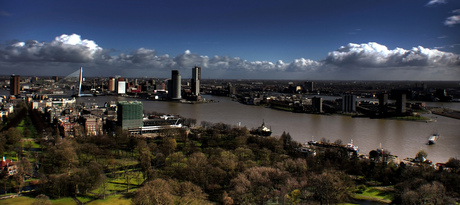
[219, 163]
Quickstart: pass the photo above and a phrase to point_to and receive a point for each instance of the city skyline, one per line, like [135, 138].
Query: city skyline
[333, 40]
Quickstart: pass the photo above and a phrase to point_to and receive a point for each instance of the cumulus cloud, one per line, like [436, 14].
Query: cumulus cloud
[71, 52]
[453, 20]
[64, 48]
[374, 55]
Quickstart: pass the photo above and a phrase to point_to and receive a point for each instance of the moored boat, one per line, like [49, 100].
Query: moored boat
[433, 138]
[351, 147]
[262, 130]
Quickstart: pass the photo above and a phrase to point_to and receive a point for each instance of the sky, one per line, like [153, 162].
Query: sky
[237, 39]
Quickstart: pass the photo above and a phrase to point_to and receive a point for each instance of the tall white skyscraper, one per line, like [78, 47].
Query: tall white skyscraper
[196, 78]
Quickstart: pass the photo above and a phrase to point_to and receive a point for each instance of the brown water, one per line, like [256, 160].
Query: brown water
[401, 138]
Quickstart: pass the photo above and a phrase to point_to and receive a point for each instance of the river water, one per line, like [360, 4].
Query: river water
[401, 138]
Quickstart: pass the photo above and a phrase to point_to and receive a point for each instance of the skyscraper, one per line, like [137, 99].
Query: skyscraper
[111, 86]
[348, 103]
[15, 87]
[401, 103]
[174, 86]
[129, 114]
[121, 88]
[317, 104]
[196, 78]
[383, 102]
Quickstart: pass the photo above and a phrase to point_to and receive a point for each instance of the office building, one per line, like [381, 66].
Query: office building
[308, 87]
[401, 103]
[383, 102]
[196, 78]
[348, 103]
[317, 104]
[174, 86]
[129, 114]
[121, 86]
[15, 86]
[111, 85]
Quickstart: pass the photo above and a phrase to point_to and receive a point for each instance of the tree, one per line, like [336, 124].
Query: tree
[168, 146]
[13, 138]
[160, 191]
[258, 184]
[41, 200]
[330, 187]
[421, 156]
[157, 191]
[454, 164]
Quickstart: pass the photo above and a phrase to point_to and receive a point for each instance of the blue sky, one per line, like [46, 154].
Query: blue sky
[336, 39]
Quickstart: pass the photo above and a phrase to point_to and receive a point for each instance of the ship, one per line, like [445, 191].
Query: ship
[433, 138]
[351, 147]
[262, 130]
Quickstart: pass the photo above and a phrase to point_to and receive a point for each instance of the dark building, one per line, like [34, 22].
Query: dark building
[317, 104]
[348, 103]
[174, 86]
[383, 102]
[308, 87]
[15, 86]
[401, 103]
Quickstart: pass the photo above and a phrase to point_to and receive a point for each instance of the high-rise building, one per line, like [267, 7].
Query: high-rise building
[174, 86]
[308, 87]
[111, 85]
[121, 88]
[129, 114]
[15, 86]
[317, 104]
[196, 78]
[401, 103]
[348, 103]
[383, 102]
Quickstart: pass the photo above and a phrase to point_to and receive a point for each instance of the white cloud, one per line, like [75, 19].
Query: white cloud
[64, 48]
[433, 2]
[375, 55]
[353, 61]
[453, 20]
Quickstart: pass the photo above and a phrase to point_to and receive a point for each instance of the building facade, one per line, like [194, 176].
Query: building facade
[15, 86]
[111, 84]
[348, 103]
[121, 87]
[196, 78]
[174, 86]
[129, 114]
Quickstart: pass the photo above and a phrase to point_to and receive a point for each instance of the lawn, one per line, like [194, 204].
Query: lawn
[379, 194]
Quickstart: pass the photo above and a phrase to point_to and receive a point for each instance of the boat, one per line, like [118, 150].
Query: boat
[351, 147]
[262, 130]
[433, 138]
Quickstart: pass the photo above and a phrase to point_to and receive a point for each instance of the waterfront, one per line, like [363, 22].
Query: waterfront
[401, 138]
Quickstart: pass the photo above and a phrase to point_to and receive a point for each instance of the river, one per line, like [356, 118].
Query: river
[401, 138]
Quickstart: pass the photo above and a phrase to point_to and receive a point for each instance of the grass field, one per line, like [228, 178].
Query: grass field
[118, 199]
[379, 194]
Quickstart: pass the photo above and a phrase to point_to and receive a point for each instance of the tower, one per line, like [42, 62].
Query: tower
[121, 88]
[111, 86]
[401, 103]
[15, 87]
[383, 102]
[196, 78]
[348, 103]
[174, 86]
[317, 104]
